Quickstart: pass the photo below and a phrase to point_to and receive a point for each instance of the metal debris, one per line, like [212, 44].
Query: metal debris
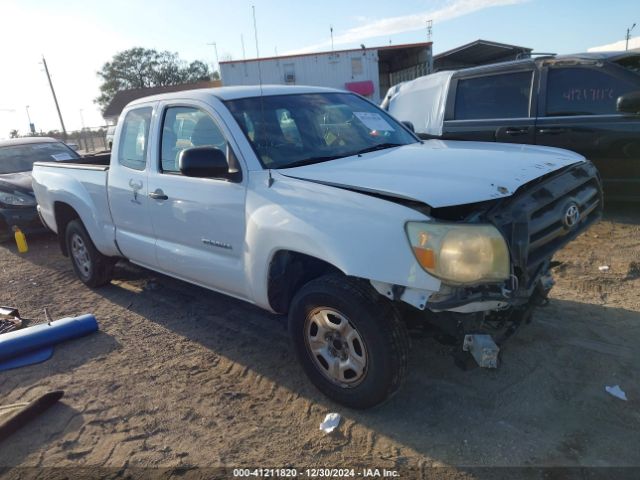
[483, 349]
[330, 423]
[616, 391]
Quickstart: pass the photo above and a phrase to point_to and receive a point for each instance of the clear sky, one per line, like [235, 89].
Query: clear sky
[78, 36]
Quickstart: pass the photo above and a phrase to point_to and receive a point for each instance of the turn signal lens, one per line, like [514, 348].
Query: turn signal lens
[425, 256]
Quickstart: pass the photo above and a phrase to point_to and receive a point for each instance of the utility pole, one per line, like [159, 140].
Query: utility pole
[55, 99]
[628, 36]
[32, 127]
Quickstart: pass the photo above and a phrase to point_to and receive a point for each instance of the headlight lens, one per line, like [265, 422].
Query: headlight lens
[17, 199]
[460, 254]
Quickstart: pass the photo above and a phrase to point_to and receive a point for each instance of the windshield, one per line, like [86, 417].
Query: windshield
[292, 130]
[20, 158]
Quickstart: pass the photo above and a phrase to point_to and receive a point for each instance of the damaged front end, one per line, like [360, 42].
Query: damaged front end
[537, 221]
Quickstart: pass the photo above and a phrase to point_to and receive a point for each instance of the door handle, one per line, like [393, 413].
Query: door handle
[158, 194]
[516, 131]
[552, 131]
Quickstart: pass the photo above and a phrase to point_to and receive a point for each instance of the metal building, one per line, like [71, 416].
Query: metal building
[367, 71]
[480, 52]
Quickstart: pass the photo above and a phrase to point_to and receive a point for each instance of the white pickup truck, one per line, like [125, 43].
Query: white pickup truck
[316, 203]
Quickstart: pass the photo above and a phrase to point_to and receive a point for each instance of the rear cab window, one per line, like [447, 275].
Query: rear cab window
[504, 95]
[134, 138]
[583, 90]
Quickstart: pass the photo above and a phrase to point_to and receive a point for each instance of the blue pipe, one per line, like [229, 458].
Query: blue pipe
[30, 341]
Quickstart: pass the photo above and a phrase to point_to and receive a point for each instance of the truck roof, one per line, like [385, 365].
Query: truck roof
[568, 58]
[233, 93]
[26, 140]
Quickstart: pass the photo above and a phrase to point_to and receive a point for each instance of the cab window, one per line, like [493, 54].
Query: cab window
[584, 91]
[134, 138]
[185, 127]
[494, 96]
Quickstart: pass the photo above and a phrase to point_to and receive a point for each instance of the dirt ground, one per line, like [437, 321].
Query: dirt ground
[182, 377]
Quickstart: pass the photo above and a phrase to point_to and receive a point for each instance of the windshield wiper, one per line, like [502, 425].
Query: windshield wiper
[380, 146]
[311, 161]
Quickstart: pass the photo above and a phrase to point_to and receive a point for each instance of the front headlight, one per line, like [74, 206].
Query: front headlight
[460, 254]
[17, 199]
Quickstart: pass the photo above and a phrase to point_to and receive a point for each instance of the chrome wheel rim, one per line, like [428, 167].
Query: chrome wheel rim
[80, 255]
[336, 347]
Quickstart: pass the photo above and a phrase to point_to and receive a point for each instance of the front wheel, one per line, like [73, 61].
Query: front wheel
[350, 341]
[93, 268]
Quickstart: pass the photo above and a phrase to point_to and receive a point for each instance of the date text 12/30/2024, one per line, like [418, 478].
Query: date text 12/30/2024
[315, 473]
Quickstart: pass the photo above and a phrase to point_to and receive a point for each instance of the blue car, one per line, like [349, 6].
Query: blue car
[17, 201]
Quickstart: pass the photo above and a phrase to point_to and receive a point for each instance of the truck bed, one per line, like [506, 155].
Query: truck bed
[98, 159]
[81, 186]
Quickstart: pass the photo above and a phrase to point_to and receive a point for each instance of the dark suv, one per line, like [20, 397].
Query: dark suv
[588, 103]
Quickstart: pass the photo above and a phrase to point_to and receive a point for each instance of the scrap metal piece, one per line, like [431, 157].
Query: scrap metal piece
[483, 349]
[9, 319]
[9, 312]
[47, 316]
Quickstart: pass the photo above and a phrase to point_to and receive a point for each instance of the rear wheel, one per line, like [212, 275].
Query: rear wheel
[93, 268]
[351, 341]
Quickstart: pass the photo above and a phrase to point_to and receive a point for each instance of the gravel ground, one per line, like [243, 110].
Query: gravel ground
[182, 377]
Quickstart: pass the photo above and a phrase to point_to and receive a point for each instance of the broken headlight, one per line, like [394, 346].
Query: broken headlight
[460, 254]
[16, 199]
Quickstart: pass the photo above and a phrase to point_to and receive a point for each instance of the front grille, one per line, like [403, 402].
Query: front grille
[538, 219]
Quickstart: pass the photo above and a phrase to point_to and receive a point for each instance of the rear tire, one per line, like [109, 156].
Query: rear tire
[349, 339]
[93, 268]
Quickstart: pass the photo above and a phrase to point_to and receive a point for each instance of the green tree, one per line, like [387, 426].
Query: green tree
[142, 68]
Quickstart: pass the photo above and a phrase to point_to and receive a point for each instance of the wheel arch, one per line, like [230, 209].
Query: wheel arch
[64, 213]
[288, 271]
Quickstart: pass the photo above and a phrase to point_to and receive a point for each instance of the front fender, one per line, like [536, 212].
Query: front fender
[361, 235]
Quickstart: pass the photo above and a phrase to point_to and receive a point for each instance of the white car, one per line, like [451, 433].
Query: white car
[316, 203]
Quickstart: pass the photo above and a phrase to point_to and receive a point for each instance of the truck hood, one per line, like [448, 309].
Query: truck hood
[440, 173]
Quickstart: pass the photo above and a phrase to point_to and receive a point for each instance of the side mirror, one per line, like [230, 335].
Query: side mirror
[409, 125]
[203, 162]
[629, 103]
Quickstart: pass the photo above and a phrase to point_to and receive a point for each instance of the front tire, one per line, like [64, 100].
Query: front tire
[93, 268]
[350, 340]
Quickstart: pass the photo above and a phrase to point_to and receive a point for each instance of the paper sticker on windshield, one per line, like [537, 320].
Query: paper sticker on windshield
[61, 156]
[374, 121]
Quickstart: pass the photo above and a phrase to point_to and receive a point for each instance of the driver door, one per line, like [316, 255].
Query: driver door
[199, 223]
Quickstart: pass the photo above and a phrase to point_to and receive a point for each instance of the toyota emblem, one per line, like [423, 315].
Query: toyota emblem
[571, 215]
